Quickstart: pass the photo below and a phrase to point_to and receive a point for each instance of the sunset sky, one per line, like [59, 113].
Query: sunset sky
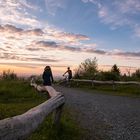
[62, 33]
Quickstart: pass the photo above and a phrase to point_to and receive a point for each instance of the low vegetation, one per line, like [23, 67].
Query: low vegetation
[67, 130]
[89, 70]
[16, 97]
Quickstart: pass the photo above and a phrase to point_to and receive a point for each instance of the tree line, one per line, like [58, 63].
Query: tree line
[89, 70]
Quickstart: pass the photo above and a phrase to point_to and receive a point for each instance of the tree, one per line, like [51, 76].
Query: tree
[108, 75]
[113, 74]
[136, 74]
[128, 71]
[115, 69]
[87, 69]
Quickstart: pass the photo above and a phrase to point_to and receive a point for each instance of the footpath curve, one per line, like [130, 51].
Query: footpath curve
[105, 117]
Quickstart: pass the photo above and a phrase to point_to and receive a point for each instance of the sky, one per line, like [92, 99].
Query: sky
[63, 33]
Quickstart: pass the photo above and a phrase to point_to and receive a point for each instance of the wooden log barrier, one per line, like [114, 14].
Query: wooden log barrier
[19, 127]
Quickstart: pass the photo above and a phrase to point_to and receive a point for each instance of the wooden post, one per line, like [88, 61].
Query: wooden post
[93, 83]
[113, 84]
[77, 83]
[57, 115]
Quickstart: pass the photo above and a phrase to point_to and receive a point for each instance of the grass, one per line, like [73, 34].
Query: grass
[119, 90]
[68, 129]
[16, 97]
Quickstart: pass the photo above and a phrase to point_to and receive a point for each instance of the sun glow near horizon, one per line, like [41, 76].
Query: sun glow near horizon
[57, 71]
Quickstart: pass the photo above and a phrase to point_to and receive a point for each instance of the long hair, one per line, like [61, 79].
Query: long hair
[47, 69]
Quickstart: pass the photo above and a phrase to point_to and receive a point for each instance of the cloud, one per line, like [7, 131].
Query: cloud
[11, 56]
[60, 35]
[96, 2]
[41, 59]
[129, 6]
[93, 45]
[2, 49]
[17, 38]
[91, 50]
[41, 45]
[35, 40]
[30, 48]
[57, 46]
[137, 30]
[21, 13]
[47, 44]
[118, 13]
[114, 19]
[52, 6]
[71, 37]
[14, 40]
[128, 54]
[26, 57]
[16, 12]
[12, 30]
[32, 65]
[37, 32]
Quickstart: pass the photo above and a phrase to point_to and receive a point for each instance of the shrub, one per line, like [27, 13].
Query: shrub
[108, 75]
[87, 69]
[9, 75]
[136, 75]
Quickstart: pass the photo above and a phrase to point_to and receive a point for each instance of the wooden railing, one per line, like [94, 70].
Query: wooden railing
[19, 127]
[113, 83]
[106, 82]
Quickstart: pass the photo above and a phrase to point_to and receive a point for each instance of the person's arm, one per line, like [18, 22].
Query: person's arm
[65, 73]
[52, 77]
[43, 75]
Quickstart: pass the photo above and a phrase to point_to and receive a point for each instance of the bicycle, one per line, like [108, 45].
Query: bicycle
[65, 81]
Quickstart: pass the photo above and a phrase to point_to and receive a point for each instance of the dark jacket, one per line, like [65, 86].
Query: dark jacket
[47, 78]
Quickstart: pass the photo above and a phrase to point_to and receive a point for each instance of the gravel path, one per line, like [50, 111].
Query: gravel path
[105, 117]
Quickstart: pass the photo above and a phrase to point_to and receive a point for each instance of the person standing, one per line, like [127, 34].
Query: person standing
[47, 76]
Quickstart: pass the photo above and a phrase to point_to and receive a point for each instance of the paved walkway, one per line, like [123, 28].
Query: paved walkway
[105, 117]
